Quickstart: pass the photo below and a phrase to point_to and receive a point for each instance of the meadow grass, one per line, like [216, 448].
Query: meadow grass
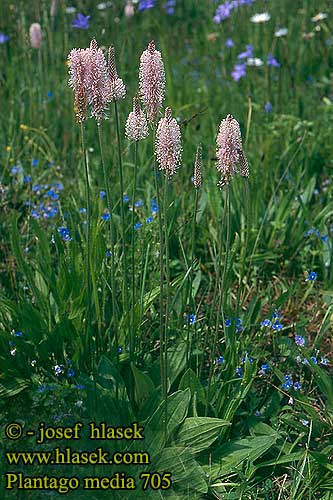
[204, 314]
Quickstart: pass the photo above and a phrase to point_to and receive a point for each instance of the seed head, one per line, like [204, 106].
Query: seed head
[168, 144]
[117, 87]
[229, 151]
[197, 178]
[77, 62]
[35, 32]
[152, 81]
[136, 125]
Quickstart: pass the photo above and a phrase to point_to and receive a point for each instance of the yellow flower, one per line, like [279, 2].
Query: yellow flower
[8, 149]
[23, 127]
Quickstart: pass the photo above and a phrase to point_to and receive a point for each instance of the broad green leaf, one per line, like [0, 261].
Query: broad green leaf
[200, 432]
[233, 454]
[190, 380]
[144, 386]
[187, 474]
[176, 410]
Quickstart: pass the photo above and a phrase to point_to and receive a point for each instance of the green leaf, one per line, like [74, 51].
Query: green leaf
[144, 386]
[232, 455]
[176, 409]
[187, 474]
[190, 380]
[200, 432]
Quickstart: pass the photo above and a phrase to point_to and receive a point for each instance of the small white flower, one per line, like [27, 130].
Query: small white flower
[103, 5]
[70, 10]
[254, 61]
[319, 17]
[13, 351]
[260, 18]
[281, 32]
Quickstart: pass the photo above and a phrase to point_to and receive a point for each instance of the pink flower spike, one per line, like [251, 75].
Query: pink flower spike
[136, 125]
[229, 151]
[77, 61]
[197, 178]
[168, 144]
[35, 33]
[152, 81]
[97, 82]
[117, 87]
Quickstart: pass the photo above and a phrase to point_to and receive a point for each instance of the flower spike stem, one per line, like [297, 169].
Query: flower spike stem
[221, 294]
[122, 216]
[112, 245]
[167, 301]
[161, 254]
[133, 335]
[88, 263]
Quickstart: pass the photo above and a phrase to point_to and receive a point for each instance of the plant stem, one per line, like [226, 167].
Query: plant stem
[112, 244]
[122, 215]
[160, 225]
[132, 340]
[88, 263]
[190, 299]
[221, 295]
[167, 272]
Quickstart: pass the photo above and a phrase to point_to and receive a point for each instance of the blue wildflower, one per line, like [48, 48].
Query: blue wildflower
[299, 340]
[125, 198]
[220, 360]
[191, 319]
[265, 367]
[227, 322]
[146, 4]
[138, 203]
[120, 349]
[70, 373]
[80, 387]
[248, 53]
[3, 38]
[149, 220]
[312, 276]
[27, 178]
[102, 194]
[82, 210]
[297, 386]
[81, 22]
[239, 372]
[277, 326]
[324, 361]
[169, 6]
[137, 226]
[238, 72]
[271, 61]
[17, 334]
[229, 43]
[58, 369]
[35, 214]
[288, 382]
[154, 207]
[34, 162]
[266, 322]
[16, 169]
[314, 359]
[105, 216]
[277, 313]
[108, 253]
[64, 233]
[268, 107]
